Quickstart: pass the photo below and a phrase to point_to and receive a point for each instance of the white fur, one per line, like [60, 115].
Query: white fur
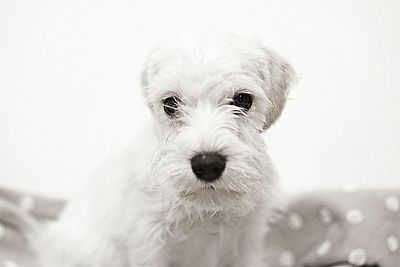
[148, 208]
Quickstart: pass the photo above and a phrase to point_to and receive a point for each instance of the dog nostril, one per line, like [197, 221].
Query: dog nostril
[208, 166]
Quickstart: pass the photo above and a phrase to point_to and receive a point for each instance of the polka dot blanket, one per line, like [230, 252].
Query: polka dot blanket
[336, 228]
[318, 229]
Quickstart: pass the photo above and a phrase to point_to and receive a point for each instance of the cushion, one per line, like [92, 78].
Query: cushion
[324, 228]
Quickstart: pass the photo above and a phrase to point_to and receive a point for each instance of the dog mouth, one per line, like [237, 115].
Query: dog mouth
[209, 190]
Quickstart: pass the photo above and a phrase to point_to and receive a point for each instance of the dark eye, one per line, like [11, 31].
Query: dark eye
[170, 105]
[243, 100]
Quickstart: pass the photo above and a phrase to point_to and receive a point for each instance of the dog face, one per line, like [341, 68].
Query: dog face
[211, 101]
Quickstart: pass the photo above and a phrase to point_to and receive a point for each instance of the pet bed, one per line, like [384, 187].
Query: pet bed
[317, 229]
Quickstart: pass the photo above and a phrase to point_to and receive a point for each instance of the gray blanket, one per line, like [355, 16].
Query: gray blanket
[326, 228]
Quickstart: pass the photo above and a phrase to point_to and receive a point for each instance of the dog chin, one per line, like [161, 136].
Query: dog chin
[215, 200]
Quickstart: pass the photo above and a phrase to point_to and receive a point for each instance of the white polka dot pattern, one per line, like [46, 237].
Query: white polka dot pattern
[295, 221]
[354, 217]
[392, 243]
[357, 257]
[27, 203]
[354, 230]
[10, 263]
[325, 216]
[2, 231]
[324, 248]
[392, 203]
[286, 259]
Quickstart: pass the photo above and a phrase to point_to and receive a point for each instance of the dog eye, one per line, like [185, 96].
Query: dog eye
[243, 100]
[170, 105]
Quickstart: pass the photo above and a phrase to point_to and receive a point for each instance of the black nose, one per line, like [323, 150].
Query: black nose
[208, 166]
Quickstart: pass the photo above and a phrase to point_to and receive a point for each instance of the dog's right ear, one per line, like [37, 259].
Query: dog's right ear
[147, 74]
[151, 69]
[277, 75]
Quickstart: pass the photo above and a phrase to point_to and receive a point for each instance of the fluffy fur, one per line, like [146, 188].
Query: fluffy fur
[148, 208]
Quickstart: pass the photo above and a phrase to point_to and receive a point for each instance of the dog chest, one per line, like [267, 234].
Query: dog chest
[208, 245]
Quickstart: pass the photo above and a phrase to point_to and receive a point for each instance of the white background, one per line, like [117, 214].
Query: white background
[69, 85]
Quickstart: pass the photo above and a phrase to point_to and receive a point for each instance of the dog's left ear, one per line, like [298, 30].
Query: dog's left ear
[277, 75]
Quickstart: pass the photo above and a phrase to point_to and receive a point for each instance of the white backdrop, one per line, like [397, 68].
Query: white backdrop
[69, 85]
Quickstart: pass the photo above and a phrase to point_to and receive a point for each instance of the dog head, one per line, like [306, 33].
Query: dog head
[211, 101]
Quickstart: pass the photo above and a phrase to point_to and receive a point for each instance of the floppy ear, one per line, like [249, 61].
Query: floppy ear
[277, 75]
[150, 70]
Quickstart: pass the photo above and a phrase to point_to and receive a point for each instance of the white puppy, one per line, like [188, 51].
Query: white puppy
[198, 188]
